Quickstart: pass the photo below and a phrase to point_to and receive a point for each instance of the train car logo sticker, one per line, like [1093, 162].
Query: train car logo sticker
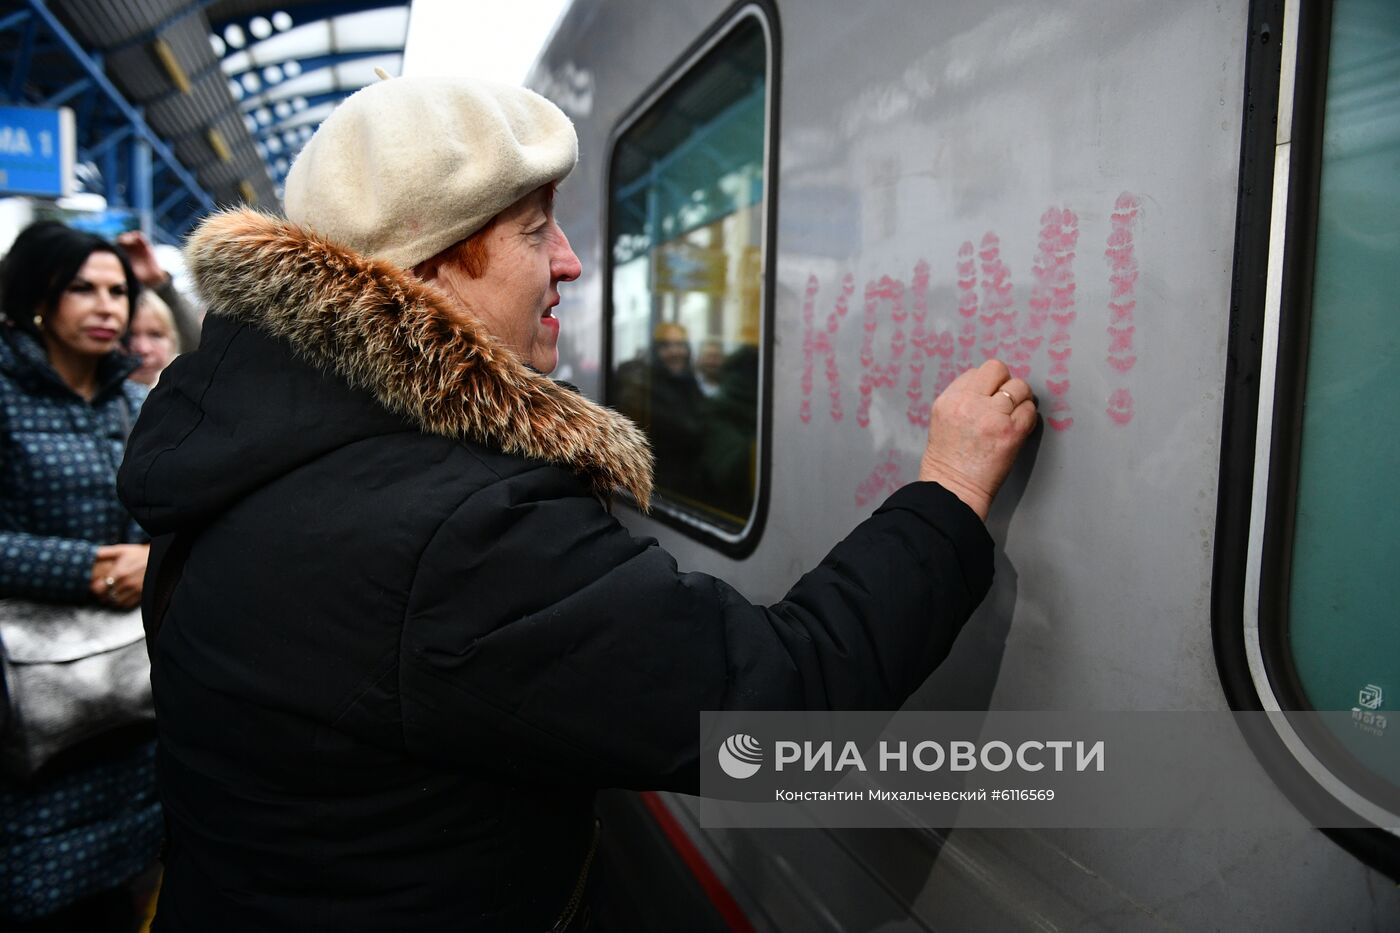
[740, 756]
[1370, 697]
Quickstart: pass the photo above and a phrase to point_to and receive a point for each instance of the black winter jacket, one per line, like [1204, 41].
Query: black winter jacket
[409, 641]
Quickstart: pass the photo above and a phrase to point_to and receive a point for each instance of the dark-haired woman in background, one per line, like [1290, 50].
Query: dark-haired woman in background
[74, 836]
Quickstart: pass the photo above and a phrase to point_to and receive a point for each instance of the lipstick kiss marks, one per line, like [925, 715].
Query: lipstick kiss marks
[1122, 302]
[967, 303]
[998, 305]
[927, 344]
[987, 324]
[816, 343]
[882, 481]
[880, 375]
[1052, 297]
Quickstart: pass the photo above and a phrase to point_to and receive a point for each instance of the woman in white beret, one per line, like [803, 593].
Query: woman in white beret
[402, 640]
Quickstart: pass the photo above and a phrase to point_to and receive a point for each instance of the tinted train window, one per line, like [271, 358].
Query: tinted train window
[687, 215]
[1345, 582]
[1319, 577]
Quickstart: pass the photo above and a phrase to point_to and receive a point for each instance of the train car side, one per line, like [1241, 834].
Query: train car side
[1055, 184]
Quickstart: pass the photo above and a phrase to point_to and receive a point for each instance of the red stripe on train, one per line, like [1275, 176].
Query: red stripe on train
[714, 889]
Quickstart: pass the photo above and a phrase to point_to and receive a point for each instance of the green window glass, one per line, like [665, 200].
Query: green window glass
[1344, 590]
[687, 189]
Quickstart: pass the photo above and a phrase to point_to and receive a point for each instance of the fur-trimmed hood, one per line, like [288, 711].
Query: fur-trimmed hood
[409, 346]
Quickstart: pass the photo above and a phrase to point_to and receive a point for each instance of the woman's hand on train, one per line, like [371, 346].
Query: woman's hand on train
[976, 427]
[118, 574]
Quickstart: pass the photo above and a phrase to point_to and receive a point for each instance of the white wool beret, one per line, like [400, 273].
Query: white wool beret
[406, 167]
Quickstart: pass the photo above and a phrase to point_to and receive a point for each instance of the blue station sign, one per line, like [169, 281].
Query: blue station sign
[36, 151]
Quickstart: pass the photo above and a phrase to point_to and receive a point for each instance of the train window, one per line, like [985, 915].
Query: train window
[1322, 543]
[1346, 544]
[688, 215]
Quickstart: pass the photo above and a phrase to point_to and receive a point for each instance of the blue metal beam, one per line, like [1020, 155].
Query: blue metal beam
[111, 177]
[159, 234]
[20, 71]
[68, 93]
[43, 13]
[106, 144]
[166, 218]
[87, 107]
[14, 19]
[138, 170]
[169, 201]
[188, 223]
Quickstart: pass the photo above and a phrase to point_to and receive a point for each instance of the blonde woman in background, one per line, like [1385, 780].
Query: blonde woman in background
[153, 338]
[186, 316]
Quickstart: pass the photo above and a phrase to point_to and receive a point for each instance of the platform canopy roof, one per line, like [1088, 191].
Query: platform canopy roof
[223, 92]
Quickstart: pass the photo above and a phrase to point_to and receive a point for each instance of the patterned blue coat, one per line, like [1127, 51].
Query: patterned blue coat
[98, 824]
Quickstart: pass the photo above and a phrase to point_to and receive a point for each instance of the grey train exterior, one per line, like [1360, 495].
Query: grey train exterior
[1121, 199]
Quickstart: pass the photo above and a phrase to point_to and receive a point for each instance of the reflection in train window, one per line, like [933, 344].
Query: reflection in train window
[1338, 641]
[686, 209]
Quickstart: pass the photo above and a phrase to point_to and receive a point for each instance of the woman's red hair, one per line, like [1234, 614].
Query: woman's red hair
[471, 254]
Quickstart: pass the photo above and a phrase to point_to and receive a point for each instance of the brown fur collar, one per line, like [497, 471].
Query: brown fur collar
[381, 329]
